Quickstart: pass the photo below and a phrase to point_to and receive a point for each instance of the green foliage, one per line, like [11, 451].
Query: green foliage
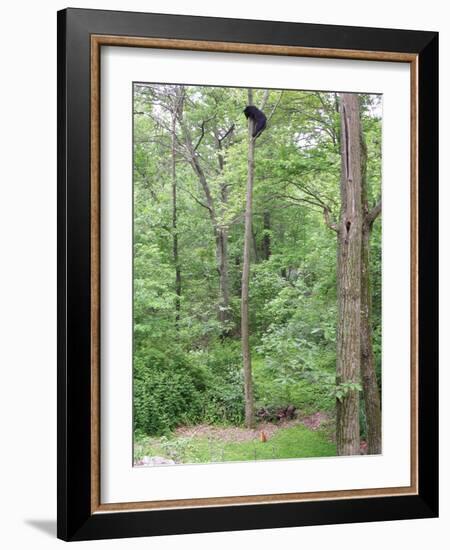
[176, 388]
[167, 392]
[344, 388]
[223, 399]
[275, 390]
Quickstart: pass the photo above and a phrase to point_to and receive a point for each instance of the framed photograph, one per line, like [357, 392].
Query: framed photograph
[247, 257]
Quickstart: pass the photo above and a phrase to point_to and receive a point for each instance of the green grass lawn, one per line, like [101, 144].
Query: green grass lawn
[293, 442]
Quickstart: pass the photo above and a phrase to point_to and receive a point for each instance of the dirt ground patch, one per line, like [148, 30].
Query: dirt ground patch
[233, 433]
[314, 421]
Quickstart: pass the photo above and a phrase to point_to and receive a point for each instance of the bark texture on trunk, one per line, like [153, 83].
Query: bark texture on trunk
[222, 268]
[266, 238]
[177, 113]
[246, 357]
[176, 260]
[224, 313]
[368, 374]
[348, 357]
[371, 392]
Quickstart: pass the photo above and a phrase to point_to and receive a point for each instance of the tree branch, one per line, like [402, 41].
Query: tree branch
[202, 135]
[264, 99]
[330, 224]
[304, 188]
[228, 132]
[374, 213]
[275, 107]
[301, 200]
[197, 200]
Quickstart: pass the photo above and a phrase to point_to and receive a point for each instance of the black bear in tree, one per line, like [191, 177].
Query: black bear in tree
[258, 117]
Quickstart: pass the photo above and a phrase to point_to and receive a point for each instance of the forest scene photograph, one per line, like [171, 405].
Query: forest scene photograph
[257, 268]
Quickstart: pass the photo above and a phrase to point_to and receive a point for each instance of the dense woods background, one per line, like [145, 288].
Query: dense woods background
[310, 382]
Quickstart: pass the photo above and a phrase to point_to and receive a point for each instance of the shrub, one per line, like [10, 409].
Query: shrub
[176, 388]
[223, 398]
[167, 393]
[274, 391]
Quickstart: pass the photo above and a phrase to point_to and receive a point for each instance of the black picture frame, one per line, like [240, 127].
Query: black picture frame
[76, 521]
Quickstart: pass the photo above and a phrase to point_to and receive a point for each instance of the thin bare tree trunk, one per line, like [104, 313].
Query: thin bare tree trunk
[248, 383]
[266, 238]
[176, 260]
[349, 279]
[224, 313]
[368, 375]
[255, 246]
[222, 267]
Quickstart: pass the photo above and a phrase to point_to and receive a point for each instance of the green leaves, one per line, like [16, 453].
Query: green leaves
[344, 388]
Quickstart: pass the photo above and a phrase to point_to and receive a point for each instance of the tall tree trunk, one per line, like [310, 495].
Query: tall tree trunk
[176, 260]
[224, 313]
[248, 383]
[255, 246]
[266, 238]
[349, 279]
[220, 232]
[368, 374]
[222, 267]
